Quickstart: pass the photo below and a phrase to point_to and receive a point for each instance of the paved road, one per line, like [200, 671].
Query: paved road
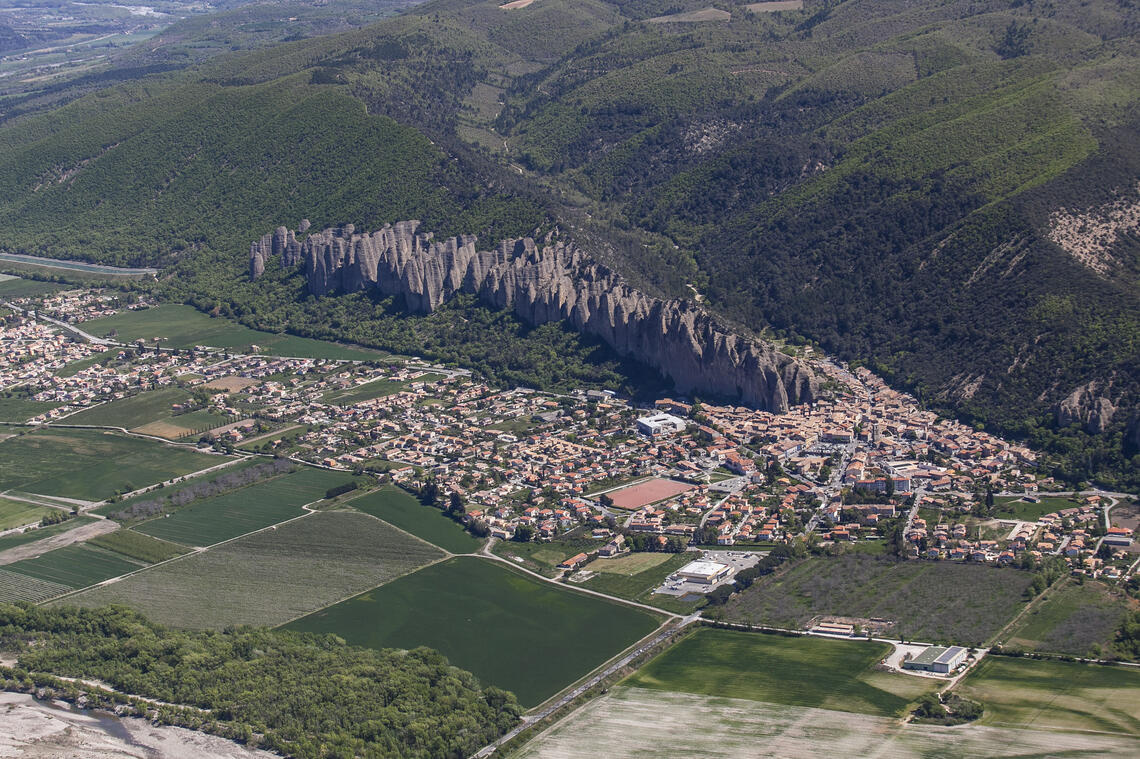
[669, 628]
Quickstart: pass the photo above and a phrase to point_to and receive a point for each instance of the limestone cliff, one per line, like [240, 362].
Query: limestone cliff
[554, 282]
[1087, 406]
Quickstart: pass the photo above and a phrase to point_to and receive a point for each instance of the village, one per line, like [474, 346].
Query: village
[865, 467]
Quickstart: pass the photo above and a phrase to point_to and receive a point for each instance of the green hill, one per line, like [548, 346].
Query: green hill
[946, 190]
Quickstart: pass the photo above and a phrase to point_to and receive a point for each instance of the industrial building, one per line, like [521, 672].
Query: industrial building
[703, 572]
[660, 424]
[938, 659]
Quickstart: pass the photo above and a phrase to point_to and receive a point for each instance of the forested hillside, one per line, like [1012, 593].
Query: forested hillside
[945, 189]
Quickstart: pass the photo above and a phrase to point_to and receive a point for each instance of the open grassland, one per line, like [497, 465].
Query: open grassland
[273, 576]
[397, 507]
[929, 601]
[91, 464]
[629, 723]
[374, 389]
[19, 513]
[1007, 507]
[18, 409]
[134, 411]
[17, 287]
[185, 327]
[1081, 620]
[543, 558]
[807, 671]
[76, 566]
[635, 576]
[1055, 695]
[628, 565]
[135, 545]
[31, 536]
[512, 631]
[213, 520]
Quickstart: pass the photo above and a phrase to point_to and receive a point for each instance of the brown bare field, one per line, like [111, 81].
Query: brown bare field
[635, 722]
[231, 384]
[776, 5]
[693, 17]
[645, 493]
[163, 429]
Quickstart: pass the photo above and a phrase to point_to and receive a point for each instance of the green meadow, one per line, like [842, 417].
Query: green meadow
[397, 507]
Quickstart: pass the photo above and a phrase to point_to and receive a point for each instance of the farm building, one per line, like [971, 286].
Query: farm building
[939, 659]
[660, 424]
[705, 572]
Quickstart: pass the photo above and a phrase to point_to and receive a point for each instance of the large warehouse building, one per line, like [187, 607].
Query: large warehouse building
[704, 572]
[660, 424]
[938, 659]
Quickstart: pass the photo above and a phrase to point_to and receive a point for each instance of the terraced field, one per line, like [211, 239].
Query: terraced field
[273, 576]
[213, 520]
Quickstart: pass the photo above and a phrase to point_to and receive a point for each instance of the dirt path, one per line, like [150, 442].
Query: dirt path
[39, 547]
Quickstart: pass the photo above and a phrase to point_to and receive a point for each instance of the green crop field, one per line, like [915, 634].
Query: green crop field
[135, 545]
[134, 411]
[397, 507]
[807, 671]
[237, 465]
[273, 576]
[1015, 508]
[1071, 619]
[91, 464]
[226, 516]
[17, 587]
[185, 327]
[1027, 693]
[957, 603]
[18, 513]
[512, 631]
[26, 288]
[76, 566]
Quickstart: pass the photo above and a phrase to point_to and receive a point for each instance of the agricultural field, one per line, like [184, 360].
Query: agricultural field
[273, 576]
[543, 558]
[1008, 507]
[135, 545]
[91, 464]
[182, 484]
[18, 409]
[375, 389]
[31, 536]
[75, 566]
[16, 287]
[397, 507]
[512, 631]
[212, 520]
[185, 327]
[1070, 618]
[1056, 695]
[632, 723]
[19, 513]
[17, 587]
[949, 602]
[134, 411]
[804, 671]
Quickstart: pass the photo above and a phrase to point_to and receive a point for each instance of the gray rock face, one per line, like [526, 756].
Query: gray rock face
[557, 282]
[1085, 407]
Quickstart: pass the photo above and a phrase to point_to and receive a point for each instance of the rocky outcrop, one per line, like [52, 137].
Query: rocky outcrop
[282, 243]
[554, 282]
[1085, 407]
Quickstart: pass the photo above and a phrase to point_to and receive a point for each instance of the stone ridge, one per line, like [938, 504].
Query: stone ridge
[557, 282]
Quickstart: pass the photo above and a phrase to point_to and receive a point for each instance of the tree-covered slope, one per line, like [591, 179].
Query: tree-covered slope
[945, 188]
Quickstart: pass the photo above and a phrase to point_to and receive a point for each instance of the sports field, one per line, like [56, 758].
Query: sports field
[964, 604]
[807, 671]
[91, 464]
[185, 327]
[644, 493]
[1055, 695]
[18, 513]
[273, 576]
[397, 507]
[213, 520]
[76, 566]
[521, 634]
[634, 723]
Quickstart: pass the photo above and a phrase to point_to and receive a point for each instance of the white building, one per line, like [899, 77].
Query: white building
[703, 572]
[660, 424]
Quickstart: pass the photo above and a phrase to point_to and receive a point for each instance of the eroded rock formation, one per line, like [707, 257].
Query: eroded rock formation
[1088, 407]
[554, 282]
